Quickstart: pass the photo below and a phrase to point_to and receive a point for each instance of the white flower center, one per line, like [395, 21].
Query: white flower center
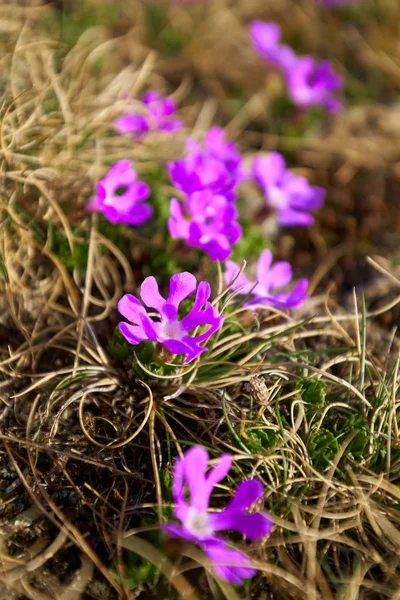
[198, 524]
[172, 330]
[277, 198]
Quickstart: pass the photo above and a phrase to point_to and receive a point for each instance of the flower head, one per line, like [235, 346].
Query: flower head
[266, 39]
[216, 167]
[157, 116]
[170, 330]
[206, 221]
[291, 195]
[199, 525]
[311, 83]
[269, 279]
[120, 197]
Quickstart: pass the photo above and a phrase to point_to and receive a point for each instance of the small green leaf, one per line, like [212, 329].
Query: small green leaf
[323, 447]
[313, 393]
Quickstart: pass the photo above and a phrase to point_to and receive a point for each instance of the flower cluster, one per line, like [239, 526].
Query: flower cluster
[120, 197]
[157, 116]
[208, 178]
[206, 221]
[200, 526]
[269, 279]
[309, 82]
[169, 329]
[290, 195]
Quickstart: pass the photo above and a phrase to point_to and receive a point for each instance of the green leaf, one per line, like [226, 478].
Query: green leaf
[323, 447]
[259, 440]
[313, 393]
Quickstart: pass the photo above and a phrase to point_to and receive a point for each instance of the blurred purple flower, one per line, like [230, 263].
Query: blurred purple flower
[338, 2]
[157, 116]
[266, 38]
[311, 83]
[199, 525]
[120, 197]
[170, 331]
[216, 167]
[269, 278]
[291, 195]
[206, 221]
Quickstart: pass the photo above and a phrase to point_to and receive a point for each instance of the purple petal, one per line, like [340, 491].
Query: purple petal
[171, 125]
[195, 465]
[230, 565]
[254, 526]
[180, 287]
[221, 469]
[231, 270]
[263, 267]
[293, 299]
[293, 218]
[131, 123]
[134, 334]
[280, 274]
[130, 307]
[177, 531]
[268, 170]
[187, 346]
[150, 294]
[247, 493]
[138, 215]
[195, 318]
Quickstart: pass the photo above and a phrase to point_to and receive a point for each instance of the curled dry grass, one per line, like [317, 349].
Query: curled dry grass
[87, 444]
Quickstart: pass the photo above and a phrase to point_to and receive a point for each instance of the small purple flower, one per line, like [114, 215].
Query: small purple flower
[291, 195]
[266, 39]
[120, 197]
[206, 221]
[311, 83]
[199, 525]
[217, 167]
[157, 116]
[170, 330]
[269, 278]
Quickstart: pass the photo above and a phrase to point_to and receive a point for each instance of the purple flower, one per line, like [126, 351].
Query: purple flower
[266, 38]
[199, 525]
[337, 2]
[311, 83]
[217, 167]
[170, 330]
[120, 197]
[269, 278]
[206, 221]
[157, 116]
[291, 195]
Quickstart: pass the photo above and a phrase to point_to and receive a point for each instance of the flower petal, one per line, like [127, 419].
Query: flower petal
[247, 493]
[195, 465]
[130, 307]
[268, 170]
[177, 531]
[180, 287]
[220, 470]
[134, 334]
[150, 294]
[231, 565]
[254, 526]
